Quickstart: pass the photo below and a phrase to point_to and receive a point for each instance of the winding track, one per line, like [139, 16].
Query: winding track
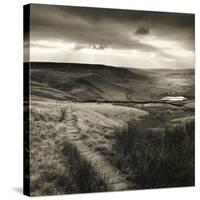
[71, 133]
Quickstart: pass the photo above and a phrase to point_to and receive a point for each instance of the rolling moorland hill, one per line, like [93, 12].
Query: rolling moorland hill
[103, 131]
[86, 82]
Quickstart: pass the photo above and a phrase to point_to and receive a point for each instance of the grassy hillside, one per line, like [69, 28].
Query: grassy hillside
[84, 82]
[151, 143]
[109, 129]
[96, 123]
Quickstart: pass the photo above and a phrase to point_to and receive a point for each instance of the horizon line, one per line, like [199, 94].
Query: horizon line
[106, 65]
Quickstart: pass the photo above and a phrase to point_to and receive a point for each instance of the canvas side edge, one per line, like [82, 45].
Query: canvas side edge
[26, 106]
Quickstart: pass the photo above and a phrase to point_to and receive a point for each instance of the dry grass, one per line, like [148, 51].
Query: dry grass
[144, 150]
[97, 122]
[54, 169]
[86, 179]
[156, 159]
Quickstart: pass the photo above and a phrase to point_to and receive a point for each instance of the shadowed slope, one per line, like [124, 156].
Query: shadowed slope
[86, 82]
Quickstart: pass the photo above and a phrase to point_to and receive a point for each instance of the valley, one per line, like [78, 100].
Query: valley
[112, 125]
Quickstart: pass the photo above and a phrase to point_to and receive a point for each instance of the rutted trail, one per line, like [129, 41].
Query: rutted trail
[71, 132]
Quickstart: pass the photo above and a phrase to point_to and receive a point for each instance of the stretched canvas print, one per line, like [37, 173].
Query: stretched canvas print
[108, 100]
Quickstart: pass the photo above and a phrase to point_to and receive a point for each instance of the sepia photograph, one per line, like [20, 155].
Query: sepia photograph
[109, 100]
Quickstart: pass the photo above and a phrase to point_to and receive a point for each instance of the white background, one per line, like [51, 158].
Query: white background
[11, 93]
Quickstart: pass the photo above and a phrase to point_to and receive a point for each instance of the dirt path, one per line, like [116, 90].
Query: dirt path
[71, 133]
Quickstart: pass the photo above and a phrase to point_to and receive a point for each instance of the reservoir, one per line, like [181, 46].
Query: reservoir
[173, 98]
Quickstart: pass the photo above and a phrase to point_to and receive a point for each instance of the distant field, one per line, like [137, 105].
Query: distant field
[103, 83]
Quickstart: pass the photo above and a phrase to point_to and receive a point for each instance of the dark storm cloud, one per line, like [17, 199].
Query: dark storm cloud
[107, 27]
[142, 31]
[110, 28]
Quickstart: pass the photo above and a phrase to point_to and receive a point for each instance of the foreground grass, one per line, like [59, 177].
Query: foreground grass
[155, 159]
[56, 166]
[86, 179]
[77, 176]
[150, 154]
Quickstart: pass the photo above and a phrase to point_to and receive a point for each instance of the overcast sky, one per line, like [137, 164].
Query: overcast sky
[112, 37]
